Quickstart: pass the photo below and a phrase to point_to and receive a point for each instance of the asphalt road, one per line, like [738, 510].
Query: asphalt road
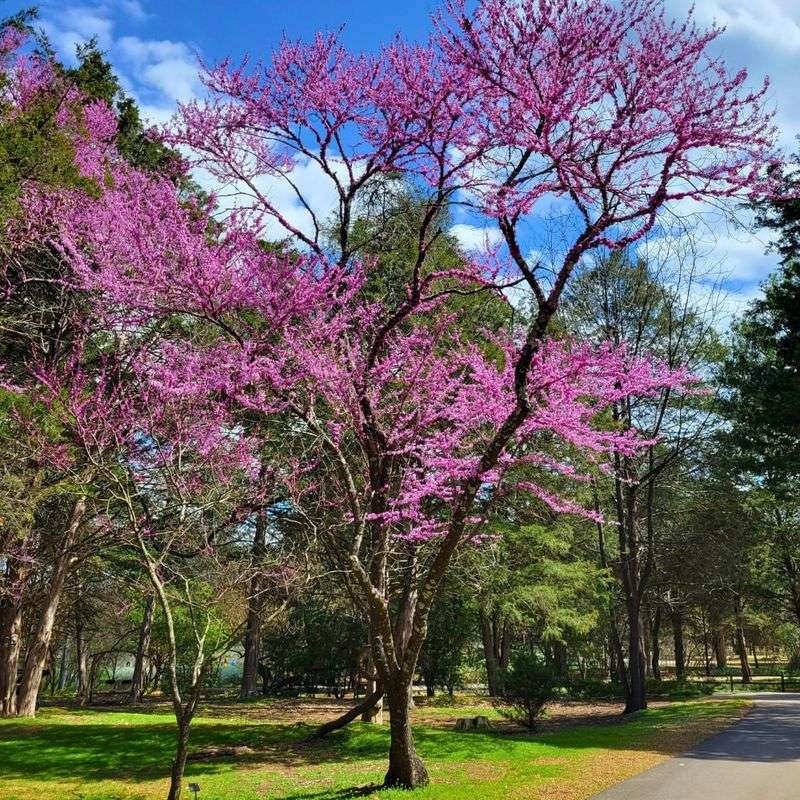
[758, 758]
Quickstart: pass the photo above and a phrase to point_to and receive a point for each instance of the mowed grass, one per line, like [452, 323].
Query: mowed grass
[111, 755]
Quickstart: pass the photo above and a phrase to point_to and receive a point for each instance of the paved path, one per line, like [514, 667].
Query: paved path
[757, 758]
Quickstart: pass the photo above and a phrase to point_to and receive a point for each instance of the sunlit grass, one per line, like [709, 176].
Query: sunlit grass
[105, 755]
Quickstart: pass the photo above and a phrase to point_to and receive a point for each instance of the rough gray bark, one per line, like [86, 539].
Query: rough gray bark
[406, 768]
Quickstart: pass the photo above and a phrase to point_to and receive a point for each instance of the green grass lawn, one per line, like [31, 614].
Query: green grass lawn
[100, 755]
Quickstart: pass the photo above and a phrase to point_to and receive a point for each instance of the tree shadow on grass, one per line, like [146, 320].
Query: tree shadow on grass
[128, 748]
[336, 794]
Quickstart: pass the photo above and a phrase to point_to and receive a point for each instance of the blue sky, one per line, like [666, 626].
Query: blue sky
[154, 45]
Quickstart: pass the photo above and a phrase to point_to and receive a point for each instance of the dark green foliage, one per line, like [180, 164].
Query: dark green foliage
[527, 687]
[762, 372]
[316, 646]
[451, 627]
[136, 144]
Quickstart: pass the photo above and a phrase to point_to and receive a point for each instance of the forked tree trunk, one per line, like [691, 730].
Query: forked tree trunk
[139, 679]
[36, 657]
[406, 768]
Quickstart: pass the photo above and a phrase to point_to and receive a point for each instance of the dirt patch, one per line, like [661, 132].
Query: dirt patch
[223, 751]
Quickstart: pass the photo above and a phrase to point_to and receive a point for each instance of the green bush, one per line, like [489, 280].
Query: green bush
[591, 689]
[678, 689]
[528, 686]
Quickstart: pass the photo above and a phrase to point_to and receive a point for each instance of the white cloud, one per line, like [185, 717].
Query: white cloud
[157, 73]
[773, 22]
[133, 9]
[75, 25]
[475, 237]
[162, 66]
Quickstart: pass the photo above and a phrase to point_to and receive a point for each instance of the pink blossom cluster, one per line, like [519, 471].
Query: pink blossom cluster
[609, 106]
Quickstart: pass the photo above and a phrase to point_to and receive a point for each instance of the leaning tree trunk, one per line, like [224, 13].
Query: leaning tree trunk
[138, 681]
[406, 768]
[36, 657]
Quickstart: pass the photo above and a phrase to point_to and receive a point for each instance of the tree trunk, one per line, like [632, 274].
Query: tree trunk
[10, 641]
[252, 637]
[741, 642]
[82, 658]
[720, 648]
[493, 671]
[560, 659]
[647, 643]
[656, 646]
[179, 762]
[677, 638]
[374, 711]
[406, 768]
[138, 681]
[637, 697]
[36, 657]
[62, 666]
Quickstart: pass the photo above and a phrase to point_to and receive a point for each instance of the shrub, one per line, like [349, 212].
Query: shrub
[528, 686]
[794, 662]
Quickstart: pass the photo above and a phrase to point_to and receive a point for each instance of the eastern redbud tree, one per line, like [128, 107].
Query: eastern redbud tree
[411, 425]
